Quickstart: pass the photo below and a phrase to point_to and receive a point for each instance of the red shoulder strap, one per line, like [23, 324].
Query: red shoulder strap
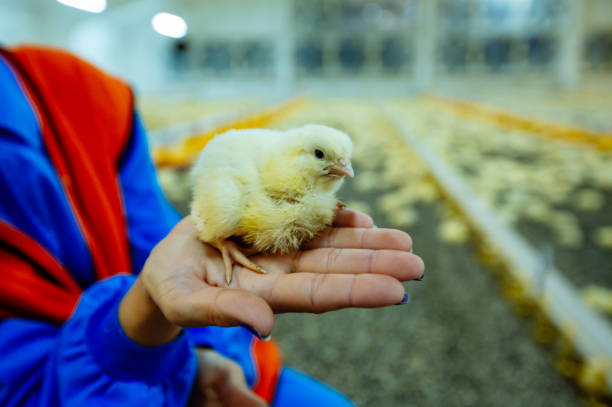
[34, 284]
[86, 121]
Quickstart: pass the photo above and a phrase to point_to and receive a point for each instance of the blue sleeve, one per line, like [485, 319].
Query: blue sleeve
[89, 361]
[150, 217]
[232, 342]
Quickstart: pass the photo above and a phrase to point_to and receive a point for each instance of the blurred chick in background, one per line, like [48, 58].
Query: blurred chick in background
[270, 190]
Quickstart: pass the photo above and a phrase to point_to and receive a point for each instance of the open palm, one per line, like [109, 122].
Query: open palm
[349, 265]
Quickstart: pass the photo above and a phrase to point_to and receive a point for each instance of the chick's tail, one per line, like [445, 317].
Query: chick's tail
[232, 254]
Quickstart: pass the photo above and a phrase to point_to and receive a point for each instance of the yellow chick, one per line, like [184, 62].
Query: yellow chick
[268, 190]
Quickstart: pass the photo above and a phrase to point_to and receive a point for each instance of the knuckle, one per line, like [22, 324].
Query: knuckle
[334, 256]
[296, 263]
[315, 288]
[371, 262]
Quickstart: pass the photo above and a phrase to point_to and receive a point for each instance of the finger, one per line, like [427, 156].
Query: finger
[310, 292]
[403, 266]
[222, 307]
[362, 238]
[241, 397]
[351, 218]
[236, 393]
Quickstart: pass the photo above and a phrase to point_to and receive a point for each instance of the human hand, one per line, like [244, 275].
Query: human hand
[220, 382]
[348, 265]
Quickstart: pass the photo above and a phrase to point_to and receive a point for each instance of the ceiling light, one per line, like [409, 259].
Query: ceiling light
[169, 25]
[93, 6]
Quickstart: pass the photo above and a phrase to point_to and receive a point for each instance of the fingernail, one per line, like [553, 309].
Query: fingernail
[404, 300]
[421, 278]
[254, 332]
[411, 249]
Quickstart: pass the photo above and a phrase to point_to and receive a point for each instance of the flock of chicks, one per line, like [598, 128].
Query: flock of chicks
[520, 175]
[565, 188]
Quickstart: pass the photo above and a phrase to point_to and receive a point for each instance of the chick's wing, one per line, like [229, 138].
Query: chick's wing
[225, 177]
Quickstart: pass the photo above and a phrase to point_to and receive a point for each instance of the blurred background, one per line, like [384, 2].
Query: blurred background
[482, 127]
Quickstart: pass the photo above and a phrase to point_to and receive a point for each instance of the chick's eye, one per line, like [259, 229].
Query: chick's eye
[319, 153]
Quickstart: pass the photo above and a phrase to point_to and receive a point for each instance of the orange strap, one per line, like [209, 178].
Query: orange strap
[268, 362]
[18, 242]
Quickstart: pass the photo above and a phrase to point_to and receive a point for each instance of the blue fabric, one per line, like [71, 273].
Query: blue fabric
[43, 365]
[295, 389]
[113, 351]
[16, 115]
[233, 343]
[25, 347]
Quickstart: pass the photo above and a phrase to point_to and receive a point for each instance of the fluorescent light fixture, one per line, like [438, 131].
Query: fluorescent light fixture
[93, 6]
[169, 25]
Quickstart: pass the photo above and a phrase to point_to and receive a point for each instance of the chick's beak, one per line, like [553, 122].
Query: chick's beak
[342, 168]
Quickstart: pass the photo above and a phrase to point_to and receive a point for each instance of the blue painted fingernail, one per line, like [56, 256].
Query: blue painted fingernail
[253, 331]
[421, 278]
[404, 300]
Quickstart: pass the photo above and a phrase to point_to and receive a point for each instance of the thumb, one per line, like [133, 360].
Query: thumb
[229, 307]
[234, 391]
[236, 395]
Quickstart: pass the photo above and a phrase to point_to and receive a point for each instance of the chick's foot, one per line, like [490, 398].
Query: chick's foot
[232, 254]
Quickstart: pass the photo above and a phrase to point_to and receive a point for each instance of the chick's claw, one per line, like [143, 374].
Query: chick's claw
[232, 254]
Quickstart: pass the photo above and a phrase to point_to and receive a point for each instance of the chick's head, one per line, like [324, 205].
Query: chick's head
[323, 155]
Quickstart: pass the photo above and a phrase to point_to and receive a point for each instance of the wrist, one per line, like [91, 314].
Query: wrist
[142, 320]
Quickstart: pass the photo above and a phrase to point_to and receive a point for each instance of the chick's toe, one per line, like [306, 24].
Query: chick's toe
[232, 254]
